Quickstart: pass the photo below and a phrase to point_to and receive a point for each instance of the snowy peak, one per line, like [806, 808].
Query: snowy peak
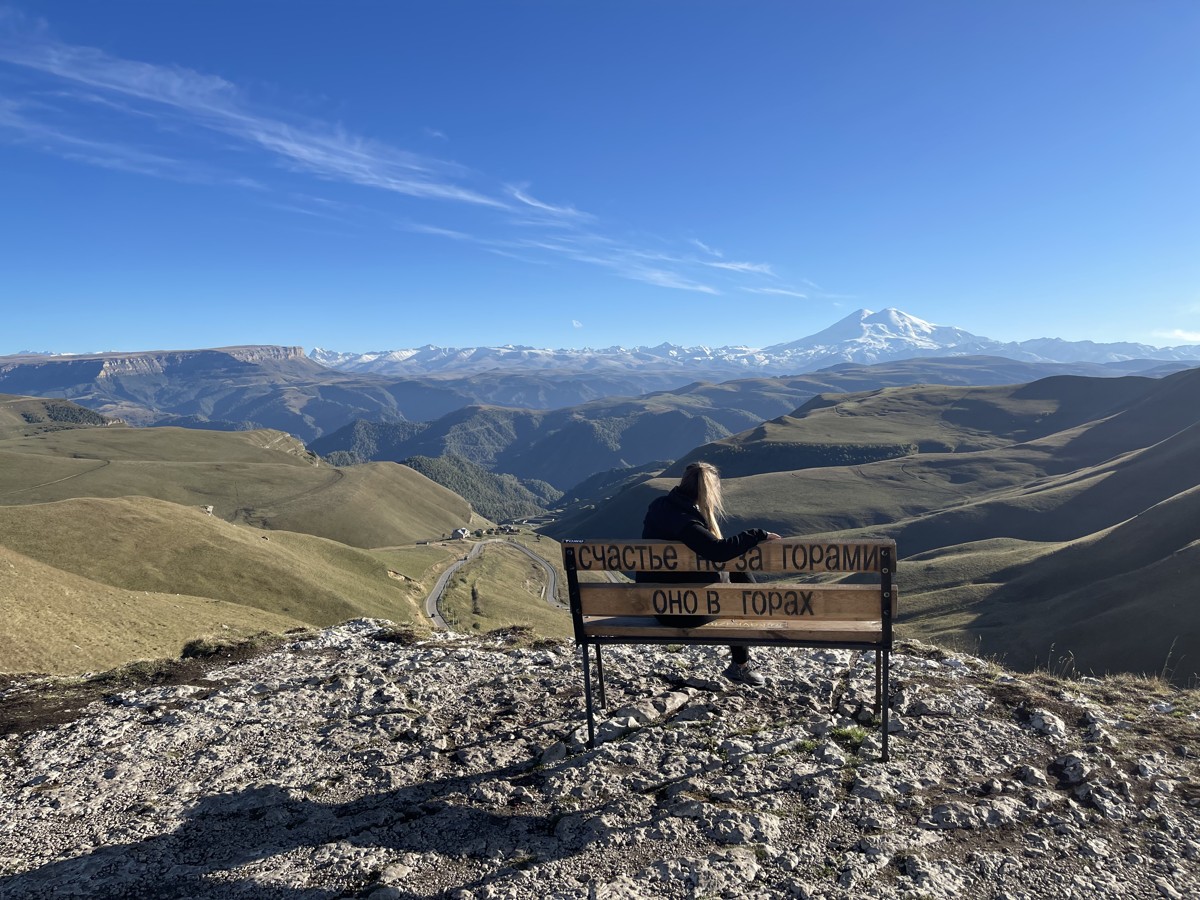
[888, 329]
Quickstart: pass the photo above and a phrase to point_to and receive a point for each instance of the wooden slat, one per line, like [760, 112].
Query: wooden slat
[793, 555]
[781, 630]
[810, 602]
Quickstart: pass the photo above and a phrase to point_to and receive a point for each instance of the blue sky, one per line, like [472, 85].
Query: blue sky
[379, 175]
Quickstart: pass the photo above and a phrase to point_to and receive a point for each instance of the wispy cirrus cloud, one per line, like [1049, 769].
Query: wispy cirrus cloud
[120, 157]
[211, 103]
[777, 291]
[172, 122]
[521, 194]
[758, 268]
[436, 230]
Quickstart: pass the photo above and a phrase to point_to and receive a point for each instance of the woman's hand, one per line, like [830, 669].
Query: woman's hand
[772, 536]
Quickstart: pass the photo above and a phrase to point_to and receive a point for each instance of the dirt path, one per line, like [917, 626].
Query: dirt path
[34, 487]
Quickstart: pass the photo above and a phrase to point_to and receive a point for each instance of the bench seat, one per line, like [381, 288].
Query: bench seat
[789, 631]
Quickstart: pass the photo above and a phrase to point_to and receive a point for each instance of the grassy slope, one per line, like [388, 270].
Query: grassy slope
[262, 477]
[141, 544]
[118, 561]
[1074, 540]
[113, 513]
[58, 622]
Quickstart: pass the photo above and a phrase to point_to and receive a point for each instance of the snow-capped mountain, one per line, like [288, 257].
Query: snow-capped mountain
[862, 337]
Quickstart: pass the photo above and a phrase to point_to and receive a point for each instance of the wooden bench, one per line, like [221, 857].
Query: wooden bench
[769, 613]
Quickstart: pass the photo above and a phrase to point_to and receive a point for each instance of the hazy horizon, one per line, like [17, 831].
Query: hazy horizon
[308, 350]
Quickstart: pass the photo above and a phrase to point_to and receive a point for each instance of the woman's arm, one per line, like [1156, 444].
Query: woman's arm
[702, 542]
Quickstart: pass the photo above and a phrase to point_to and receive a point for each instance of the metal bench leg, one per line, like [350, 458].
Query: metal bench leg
[886, 701]
[878, 679]
[600, 672]
[587, 696]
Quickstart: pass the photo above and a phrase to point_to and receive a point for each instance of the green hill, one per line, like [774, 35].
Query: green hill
[59, 622]
[108, 554]
[266, 478]
[57, 554]
[142, 544]
[1038, 520]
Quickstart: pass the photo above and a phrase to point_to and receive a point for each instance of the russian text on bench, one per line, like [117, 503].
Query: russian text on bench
[814, 615]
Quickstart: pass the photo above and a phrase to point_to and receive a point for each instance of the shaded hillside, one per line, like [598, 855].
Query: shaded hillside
[1119, 599]
[266, 478]
[500, 498]
[602, 486]
[561, 447]
[566, 446]
[21, 416]
[362, 441]
[1014, 541]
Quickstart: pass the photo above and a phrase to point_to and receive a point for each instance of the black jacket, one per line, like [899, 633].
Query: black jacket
[676, 518]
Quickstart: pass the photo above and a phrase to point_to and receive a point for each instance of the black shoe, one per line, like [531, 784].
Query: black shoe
[742, 672]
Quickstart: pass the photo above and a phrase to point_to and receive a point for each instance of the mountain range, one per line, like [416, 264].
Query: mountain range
[552, 416]
[565, 446]
[863, 337]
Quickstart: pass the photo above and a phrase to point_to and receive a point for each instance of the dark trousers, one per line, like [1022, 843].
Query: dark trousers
[741, 655]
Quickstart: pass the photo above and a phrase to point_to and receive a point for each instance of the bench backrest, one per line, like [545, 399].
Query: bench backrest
[762, 602]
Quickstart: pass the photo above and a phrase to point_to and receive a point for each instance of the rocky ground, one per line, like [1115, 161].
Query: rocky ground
[342, 765]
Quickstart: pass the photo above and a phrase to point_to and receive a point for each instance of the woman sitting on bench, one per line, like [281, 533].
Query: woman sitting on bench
[689, 514]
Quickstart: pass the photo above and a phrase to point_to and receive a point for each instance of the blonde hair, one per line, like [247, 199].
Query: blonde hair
[702, 482]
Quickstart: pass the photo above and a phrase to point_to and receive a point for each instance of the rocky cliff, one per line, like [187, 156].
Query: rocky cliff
[341, 764]
[156, 363]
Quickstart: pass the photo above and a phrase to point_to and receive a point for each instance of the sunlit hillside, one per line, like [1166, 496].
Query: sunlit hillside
[60, 621]
[77, 571]
[266, 478]
[1039, 521]
[110, 552]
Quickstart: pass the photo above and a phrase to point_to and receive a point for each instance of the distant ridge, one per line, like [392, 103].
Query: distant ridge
[279, 387]
[863, 337]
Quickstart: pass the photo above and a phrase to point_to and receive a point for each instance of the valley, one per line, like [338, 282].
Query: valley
[1053, 521]
[1045, 511]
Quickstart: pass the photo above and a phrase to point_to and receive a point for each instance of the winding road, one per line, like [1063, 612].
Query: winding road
[549, 590]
